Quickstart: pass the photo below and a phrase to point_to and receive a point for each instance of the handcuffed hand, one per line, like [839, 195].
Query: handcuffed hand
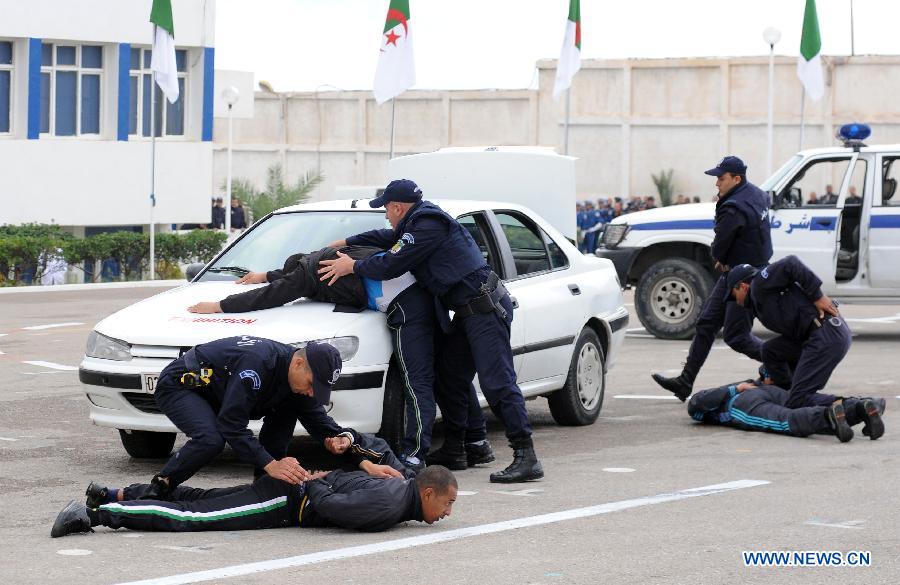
[382, 471]
[287, 469]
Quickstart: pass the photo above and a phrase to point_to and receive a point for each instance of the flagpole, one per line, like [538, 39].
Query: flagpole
[393, 103]
[152, 173]
[802, 108]
[566, 128]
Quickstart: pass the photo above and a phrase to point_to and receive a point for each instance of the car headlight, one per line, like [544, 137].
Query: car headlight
[107, 348]
[614, 234]
[347, 346]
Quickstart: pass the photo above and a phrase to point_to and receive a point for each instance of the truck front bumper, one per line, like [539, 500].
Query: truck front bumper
[622, 259]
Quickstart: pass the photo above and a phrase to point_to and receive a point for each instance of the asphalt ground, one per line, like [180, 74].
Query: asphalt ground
[621, 486]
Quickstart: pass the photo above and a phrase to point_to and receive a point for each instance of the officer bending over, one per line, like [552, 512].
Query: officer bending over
[754, 406]
[444, 258]
[742, 237]
[213, 391]
[352, 500]
[787, 298]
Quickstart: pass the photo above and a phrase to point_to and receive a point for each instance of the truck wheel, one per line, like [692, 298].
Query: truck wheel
[147, 445]
[669, 297]
[578, 403]
[393, 409]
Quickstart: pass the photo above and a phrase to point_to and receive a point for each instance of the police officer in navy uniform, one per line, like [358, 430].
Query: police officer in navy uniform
[213, 391]
[741, 237]
[786, 297]
[445, 259]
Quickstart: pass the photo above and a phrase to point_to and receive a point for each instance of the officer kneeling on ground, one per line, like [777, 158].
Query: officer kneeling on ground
[444, 258]
[213, 391]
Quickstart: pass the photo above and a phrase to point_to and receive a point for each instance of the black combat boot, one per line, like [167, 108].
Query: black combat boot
[97, 495]
[524, 467]
[837, 418]
[869, 410]
[451, 455]
[479, 453]
[681, 385]
[159, 489]
[73, 519]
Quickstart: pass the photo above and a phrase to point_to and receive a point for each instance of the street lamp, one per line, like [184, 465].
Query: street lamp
[231, 95]
[771, 35]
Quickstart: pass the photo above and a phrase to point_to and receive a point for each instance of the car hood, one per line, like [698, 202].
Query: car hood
[686, 212]
[163, 319]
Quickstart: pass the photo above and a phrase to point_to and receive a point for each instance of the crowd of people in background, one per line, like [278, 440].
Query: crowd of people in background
[593, 217]
[239, 219]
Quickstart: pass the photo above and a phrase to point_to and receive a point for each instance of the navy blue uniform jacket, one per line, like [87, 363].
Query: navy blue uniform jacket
[742, 227]
[782, 297]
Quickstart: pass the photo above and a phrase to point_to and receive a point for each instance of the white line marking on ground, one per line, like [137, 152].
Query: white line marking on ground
[75, 552]
[8, 439]
[618, 469]
[2, 353]
[852, 524]
[628, 304]
[881, 320]
[465, 493]
[529, 492]
[446, 536]
[635, 329]
[640, 335]
[51, 365]
[50, 326]
[40, 374]
[645, 397]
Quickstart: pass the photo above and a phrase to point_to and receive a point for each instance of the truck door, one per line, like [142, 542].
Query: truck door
[884, 225]
[806, 217]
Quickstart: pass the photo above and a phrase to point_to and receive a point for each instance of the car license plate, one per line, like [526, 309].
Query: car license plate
[148, 382]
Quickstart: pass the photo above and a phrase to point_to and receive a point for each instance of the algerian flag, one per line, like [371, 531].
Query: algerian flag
[163, 60]
[570, 56]
[396, 70]
[809, 63]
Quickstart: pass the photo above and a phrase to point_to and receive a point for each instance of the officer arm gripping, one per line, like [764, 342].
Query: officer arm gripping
[383, 239]
[412, 247]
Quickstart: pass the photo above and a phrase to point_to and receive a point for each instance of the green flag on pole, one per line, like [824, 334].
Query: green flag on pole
[163, 60]
[396, 70]
[809, 63]
[570, 56]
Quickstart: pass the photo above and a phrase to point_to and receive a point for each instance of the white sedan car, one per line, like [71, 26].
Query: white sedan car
[569, 322]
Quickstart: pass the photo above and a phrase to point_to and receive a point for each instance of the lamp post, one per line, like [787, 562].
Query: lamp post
[231, 95]
[771, 35]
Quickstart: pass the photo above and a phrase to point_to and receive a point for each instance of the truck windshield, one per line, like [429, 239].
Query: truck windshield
[270, 242]
[772, 181]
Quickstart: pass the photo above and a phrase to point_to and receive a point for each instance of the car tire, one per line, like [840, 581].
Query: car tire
[578, 403]
[147, 445]
[393, 410]
[669, 297]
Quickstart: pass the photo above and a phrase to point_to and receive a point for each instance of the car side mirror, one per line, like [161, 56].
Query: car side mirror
[193, 270]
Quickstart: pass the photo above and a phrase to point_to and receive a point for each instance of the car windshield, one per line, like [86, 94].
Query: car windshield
[269, 243]
[769, 184]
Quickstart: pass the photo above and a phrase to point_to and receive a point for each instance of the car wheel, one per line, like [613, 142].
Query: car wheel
[669, 297]
[147, 445]
[393, 410]
[578, 403]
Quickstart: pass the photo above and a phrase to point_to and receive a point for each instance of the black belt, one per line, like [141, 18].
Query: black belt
[493, 292]
[195, 376]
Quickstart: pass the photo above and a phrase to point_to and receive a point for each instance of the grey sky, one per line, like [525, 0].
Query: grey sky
[300, 45]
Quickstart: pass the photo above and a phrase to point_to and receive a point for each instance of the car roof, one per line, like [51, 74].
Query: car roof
[454, 207]
[848, 150]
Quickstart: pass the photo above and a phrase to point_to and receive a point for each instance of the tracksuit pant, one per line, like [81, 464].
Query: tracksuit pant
[765, 410]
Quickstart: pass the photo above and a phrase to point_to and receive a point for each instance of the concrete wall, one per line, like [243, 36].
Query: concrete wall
[628, 119]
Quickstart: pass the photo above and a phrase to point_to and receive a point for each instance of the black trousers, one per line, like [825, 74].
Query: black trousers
[480, 343]
[266, 503]
[716, 313]
[810, 361]
[764, 409]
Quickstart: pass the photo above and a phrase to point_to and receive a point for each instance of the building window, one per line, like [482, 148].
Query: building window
[70, 89]
[6, 72]
[168, 118]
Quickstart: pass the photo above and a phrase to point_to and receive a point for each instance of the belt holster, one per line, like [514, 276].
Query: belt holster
[196, 376]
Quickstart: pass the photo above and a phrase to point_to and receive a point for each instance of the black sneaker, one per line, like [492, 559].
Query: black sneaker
[681, 386]
[838, 420]
[96, 495]
[73, 519]
[479, 453]
[868, 410]
[453, 459]
[525, 467]
[415, 467]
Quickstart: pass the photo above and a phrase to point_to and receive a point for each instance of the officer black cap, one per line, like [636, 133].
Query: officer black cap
[737, 275]
[729, 164]
[325, 362]
[399, 190]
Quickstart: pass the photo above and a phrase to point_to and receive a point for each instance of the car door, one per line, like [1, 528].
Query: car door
[805, 222]
[884, 225]
[547, 292]
[478, 226]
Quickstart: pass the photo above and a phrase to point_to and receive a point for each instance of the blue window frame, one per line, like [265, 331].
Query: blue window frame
[169, 118]
[71, 89]
[6, 70]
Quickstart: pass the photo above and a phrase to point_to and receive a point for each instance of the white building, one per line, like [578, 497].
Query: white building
[75, 101]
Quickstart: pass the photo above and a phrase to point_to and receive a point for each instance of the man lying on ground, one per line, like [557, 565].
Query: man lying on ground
[758, 406]
[347, 499]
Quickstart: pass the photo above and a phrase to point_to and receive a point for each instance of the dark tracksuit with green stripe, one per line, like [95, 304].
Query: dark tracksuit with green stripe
[353, 500]
[763, 409]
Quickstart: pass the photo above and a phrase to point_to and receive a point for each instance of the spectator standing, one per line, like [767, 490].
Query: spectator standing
[238, 219]
[218, 214]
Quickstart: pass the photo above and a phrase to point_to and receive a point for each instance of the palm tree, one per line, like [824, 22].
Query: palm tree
[277, 193]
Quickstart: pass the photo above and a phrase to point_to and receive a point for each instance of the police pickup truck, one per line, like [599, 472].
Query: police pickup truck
[835, 208]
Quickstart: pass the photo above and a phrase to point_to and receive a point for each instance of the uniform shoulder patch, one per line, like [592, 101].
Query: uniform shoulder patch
[764, 273]
[253, 377]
